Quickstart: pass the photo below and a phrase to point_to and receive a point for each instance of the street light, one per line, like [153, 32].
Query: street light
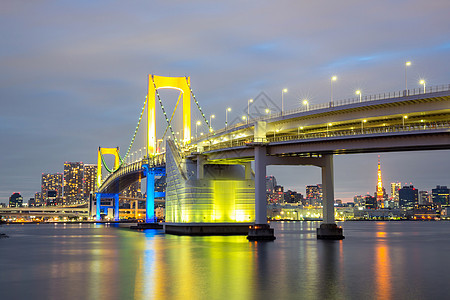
[328, 124]
[334, 78]
[210, 122]
[358, 92]
[267, 111]
[407, 64]
[226, 116]
[248, 109]
[423, 83]
[196, 125]
[282, 104]
[403, 119]
[298, 131]
[274, 132]
[362, 125]
[244, 118]
[305, 102]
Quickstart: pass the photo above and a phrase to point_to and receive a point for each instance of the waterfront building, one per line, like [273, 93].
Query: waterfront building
[15, 200]
[73, 183]
[38, 199]
[278, 194]
[358, 200]
[440, 195]
[90, 175]
[51, 183]
[31, 202]
[424, 197]
[293, 197]
[408, 197]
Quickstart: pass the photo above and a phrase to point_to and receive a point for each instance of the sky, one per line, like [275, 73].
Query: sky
[73, 74]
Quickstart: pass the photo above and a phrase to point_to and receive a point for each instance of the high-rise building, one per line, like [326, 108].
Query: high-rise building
[395, 186]
[358, 200]
[370, 202]
[90, 175]
[51, 183]
[15, 200]
[73, 183]
[279, 194]
[314, 194]
[424, 197]
[441, 195]
[38, 199]
[271, 183]
[408, 197]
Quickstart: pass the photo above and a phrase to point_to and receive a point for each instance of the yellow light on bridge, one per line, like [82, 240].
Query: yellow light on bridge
[334, 78]
[198, 123]
[405, 117]
[229, 109]
[364, 120]
[408, 63]
[267, 110]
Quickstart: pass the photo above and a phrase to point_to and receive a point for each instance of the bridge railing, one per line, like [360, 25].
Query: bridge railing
[313, 107]
[338, 133]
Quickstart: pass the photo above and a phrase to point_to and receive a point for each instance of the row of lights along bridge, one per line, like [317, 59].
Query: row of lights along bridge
[305, 102]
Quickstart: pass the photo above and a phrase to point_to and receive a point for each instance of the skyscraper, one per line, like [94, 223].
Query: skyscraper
[90, 175]
[271, 183]
[395, 186]
[441, 195]
[408, 197]
[314, 194]
[51, 183]
[73, 182]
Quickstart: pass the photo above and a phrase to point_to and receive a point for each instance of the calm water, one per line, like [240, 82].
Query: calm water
[377, 260]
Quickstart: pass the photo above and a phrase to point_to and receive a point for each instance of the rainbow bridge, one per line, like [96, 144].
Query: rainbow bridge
[211, 184]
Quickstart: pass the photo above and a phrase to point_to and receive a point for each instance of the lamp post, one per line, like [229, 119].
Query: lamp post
[403, 119]
[245, 118]
[328, 124]
[196, 125]
[248, 109]
[210, 122]
[306, 103]
[407, 64]
[422, 82]
[358, 92]
[362, 125]
[267, 111]
[282, 102]
[334, 78]
[226, 116]
[298, 131]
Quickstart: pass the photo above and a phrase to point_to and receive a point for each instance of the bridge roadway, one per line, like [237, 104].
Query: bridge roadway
[311, 137]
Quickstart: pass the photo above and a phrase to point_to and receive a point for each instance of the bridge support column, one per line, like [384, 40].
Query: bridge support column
[97, 207]
[116, 207]
[200, 166]
[328, 229]
[248, 171]
[260, 230]
[150, 205]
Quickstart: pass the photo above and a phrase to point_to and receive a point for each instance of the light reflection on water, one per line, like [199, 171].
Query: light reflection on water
[377, 260]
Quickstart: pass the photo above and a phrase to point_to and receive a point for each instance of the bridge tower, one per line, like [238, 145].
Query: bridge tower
[156, 83]
[99, 196]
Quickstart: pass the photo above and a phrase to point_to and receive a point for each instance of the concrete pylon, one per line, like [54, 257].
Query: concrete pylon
[328, 230]
[260, 230]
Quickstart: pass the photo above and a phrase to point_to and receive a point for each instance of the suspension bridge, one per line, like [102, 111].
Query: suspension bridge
[211, 185]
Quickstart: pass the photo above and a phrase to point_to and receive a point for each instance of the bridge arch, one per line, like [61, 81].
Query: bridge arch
[162, 82]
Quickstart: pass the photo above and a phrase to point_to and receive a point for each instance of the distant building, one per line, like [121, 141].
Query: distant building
[278, 194]
[370, 202]
[293, 197]
[38, 199]
[358, 200]
[395, 186]
[52, 183]
[31, 202]
[134, 190]
[90, 177]
[314, 194]
[15, 200]
[424, 197]
[73, 183]
[271, 183]
[408, 197]
[440, 195]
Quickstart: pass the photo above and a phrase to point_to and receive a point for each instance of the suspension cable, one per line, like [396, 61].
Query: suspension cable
[198, 105]
[135, 132]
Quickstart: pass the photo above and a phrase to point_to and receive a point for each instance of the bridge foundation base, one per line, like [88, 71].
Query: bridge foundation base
[261, 232]
[330, 232]
[206, 229]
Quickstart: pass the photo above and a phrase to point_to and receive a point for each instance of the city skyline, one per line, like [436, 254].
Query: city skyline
[68, 87]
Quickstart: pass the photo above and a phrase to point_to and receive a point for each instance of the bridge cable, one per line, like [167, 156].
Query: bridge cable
[171, 118]
[164, 111]
[198, 106]
[135, 132]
